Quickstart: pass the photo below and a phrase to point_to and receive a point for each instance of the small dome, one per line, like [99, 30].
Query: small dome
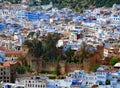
[117, 64]
[100, 68]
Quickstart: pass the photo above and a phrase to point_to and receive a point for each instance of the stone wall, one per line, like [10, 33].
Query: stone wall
[97, 56]
[65, 68]
[94, 58]
[49, 66]
[72, 66]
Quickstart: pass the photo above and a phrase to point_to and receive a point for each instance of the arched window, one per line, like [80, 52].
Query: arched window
[12, 59]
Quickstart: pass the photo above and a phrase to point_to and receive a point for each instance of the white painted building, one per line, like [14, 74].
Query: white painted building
[11, 85]
[5, 75]
[101, 75]
[90, 79]
[33, 82]
[45, 7]
[115, 17]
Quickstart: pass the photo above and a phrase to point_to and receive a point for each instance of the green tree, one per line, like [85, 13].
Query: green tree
[69, 54]
[35, 49]
[20, 69]
[113, 61]
[51, 52]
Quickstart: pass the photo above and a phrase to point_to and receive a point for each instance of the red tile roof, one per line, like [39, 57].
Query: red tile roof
[1, 67]
[10, 53]
[2, 48]
[6, 64]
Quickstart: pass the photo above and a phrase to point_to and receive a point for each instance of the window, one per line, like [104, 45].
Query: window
[4, 77]
[115, 15]
[86, 77]
[43, 85]
[30, 85]
[4, 73]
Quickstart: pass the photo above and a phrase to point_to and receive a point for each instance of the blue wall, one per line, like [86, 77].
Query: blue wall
[1, 26]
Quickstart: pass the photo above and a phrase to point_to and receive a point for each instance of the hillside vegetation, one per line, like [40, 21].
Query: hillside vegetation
[81, 4]
[77, 5]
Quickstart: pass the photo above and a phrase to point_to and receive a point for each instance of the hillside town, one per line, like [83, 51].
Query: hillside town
[84, 47]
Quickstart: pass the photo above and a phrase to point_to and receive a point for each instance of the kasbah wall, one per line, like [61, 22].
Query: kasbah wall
[64, 67]
[96, 57]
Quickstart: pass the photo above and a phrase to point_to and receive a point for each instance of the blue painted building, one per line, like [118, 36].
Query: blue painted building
[32, 15]
[1, 26]
[2, 57]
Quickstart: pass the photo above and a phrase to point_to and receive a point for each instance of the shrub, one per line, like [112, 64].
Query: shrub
[20, 69]
[47, 72]
[100, 83]
[52, 77]
[107, 82]
[113, 61]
